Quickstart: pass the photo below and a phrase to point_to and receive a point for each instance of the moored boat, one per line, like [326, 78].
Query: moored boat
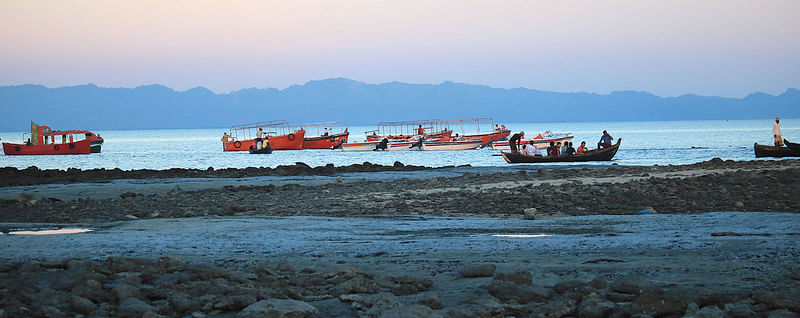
[405, 130]
[326, 138]
[540, 141]
[360, 146]
[774, 151]
[277, 132]
[791, 145]
[44, 141]
[603, 154]
[490, 132]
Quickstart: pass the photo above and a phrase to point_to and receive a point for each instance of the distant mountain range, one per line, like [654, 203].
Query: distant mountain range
[353, 102]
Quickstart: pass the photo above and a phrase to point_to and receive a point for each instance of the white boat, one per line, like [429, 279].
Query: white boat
[452, 145]
[540, 141]
[360, 146]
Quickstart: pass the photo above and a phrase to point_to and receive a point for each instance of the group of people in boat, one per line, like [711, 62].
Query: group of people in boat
[556, 149]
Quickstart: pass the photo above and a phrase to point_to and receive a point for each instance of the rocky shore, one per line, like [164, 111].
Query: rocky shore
[726, 265]
[714, 185]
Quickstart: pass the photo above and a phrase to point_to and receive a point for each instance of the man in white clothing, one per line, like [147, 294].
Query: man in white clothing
[531, 149]
[776, 132]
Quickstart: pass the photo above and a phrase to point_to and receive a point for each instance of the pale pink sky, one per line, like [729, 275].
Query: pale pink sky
[724, 48]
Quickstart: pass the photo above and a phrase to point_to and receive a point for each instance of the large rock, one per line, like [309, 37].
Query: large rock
[658, 305]
[123, 291]
[482, 270]
[520, 277]
[633, 284]
[133, 307]
[507, 291]
[431, 301]
[278, 308]
[82, 305]
[595, 308]
[693, 311]
[557, 307]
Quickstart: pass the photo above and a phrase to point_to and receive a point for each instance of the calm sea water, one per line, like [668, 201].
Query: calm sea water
[643, 143]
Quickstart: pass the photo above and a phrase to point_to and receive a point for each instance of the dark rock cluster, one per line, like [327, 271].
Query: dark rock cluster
[171, 287]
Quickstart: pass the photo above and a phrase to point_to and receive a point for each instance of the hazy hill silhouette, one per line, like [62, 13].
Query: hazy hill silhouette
[353, 102]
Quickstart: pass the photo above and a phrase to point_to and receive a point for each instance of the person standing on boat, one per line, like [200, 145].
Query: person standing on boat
[776, 132]
[225, 138]
[513, 143]
[325, 131]
[420, 130]
[260, 133]
[605, 140]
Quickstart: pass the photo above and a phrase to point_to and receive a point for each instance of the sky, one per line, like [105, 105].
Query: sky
[716, 48]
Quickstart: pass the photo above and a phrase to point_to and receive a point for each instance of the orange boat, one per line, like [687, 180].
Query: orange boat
[276, 132]
[494, 133]
[326, 138]
[44, 141]
[404, 130]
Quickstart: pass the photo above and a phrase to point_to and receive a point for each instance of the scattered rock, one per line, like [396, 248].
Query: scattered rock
[595, 308]
[482, 270]
[279, 308]
[409, 311]
[133, 307]
[520, 277]
[431, 301]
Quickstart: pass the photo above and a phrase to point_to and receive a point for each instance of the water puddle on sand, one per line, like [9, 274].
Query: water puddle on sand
[51, 231]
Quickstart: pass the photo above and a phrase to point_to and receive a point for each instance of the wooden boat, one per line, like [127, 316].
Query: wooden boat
[451, 145]
[360, 146]
[774, 151]
[325, 139]
[405, 130]
[44, 141]
[540, 141]
[262, 151]
[278, 132]
[604, 154]
[791, 145]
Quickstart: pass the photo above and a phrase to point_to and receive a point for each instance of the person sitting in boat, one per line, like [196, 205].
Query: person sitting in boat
[513, 143]
[570, 150]
[266, 143]
[502, 127]
[325, 131]
[531, 150]
[605, 140]
[563, 149]
[557, 150]
[496, 127]
[550, 148]
[383, 145]
[459, 138]
[582, 148]
[417, 141]
[258, 143]
[28, 143]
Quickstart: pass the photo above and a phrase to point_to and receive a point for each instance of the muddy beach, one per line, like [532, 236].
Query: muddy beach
[521, 242]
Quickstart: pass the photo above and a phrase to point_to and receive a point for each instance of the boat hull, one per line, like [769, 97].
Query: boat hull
[791, 145]
[293, 141]
[451, 145]
[360, 146]
[774, 151]
[490, 137]
[605, 154]
[81, 147]
[539, 143]
[324, 142]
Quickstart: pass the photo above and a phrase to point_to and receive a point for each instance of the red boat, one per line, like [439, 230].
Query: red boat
[44, 141]
[492, 131]
[326, 138]
[404, 130]
[276, 132]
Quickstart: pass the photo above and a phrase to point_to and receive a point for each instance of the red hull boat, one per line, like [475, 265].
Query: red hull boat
[277, 133]
[325, 142]
[45, 141]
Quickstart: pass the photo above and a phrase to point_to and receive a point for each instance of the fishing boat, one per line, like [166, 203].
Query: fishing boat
[603, 154]
[540, 141]
[277, 132]
[482, 129]
[261, 151]
[405, 130]
[774, 151]
[326, 138]
[45, 141]
[791, 145]
[360, 146]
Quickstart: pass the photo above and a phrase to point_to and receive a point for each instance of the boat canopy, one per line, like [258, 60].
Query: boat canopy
[468, 126]
[395, 128]
[318, 128]
[270, 128]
